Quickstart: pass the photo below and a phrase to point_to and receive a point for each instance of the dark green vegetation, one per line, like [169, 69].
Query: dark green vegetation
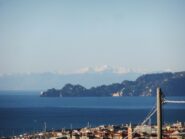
[172, 84]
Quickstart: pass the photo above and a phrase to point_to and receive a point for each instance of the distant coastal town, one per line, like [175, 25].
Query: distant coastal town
[169, 131]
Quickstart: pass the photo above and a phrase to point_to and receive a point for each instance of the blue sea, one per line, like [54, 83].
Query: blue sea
[26, 112]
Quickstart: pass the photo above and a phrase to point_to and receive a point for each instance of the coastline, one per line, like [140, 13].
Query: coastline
[175, 130]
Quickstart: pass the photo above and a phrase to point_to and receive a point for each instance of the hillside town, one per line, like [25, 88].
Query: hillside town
[170, 131]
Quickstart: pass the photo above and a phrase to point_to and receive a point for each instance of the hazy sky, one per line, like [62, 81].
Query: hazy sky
[67, 35]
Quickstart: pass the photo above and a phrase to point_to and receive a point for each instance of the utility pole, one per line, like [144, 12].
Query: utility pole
[159, 113]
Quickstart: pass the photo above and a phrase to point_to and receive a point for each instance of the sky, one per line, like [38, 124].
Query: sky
[72, 35]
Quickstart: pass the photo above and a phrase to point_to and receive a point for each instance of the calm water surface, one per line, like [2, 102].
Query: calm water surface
[24, 111]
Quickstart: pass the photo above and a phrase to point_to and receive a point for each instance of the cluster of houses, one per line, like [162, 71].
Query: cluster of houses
[170, 131]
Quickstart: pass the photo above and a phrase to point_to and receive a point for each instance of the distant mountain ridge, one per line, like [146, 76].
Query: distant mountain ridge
[172, 84]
